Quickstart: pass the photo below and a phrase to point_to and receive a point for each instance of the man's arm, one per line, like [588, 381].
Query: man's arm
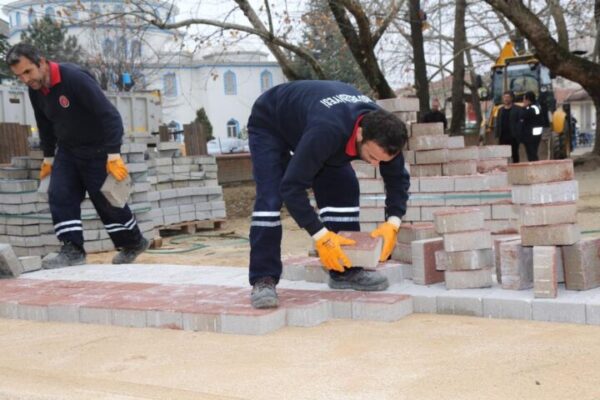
[45, 130]
[397, 183]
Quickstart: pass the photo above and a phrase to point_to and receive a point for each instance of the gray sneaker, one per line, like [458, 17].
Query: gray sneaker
[128, 255]
[264, 294]
[358, 279]
[69, 255]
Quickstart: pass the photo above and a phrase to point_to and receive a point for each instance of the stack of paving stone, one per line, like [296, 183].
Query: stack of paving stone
[444, 174]
[466, 257]
[546, 192]
[407, 234]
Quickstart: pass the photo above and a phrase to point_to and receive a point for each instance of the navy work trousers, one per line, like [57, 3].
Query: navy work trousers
[72, 175]
[335, 189]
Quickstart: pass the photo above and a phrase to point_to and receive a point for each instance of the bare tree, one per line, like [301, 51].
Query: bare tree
[416, 33]
[458, 77]
[557, 58]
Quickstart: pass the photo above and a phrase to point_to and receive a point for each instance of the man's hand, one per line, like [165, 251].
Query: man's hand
[116, 167]
[388, 232]
[46, 168]
[330, 251]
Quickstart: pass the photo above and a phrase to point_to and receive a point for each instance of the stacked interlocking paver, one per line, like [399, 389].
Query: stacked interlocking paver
[166, 189]
[546, 192]
[466, 257]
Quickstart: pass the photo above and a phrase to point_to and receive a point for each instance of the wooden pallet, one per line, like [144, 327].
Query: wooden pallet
[191, 227]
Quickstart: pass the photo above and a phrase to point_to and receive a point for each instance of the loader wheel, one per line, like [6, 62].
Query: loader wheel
[558, 146]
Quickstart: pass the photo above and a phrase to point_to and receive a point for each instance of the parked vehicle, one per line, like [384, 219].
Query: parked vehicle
[226, 146]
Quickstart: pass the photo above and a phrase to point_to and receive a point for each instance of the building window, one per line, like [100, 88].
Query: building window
[233, 128]
[18, 18]
[266, 81]
[136, 49]
[50, 12]
[170, 84]
[229, 80]
[108, 48]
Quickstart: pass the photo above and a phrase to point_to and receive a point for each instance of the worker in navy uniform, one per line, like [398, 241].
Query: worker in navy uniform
[435, 115]
[532, 123]
[302, 136]
[506, 126]
[80, 135]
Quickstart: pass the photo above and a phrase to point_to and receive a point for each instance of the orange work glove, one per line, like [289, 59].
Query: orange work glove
[388, 232]
[330, 251]
[116, 167]
[46, 168]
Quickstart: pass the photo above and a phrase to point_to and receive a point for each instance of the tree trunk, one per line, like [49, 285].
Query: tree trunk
[458, 77]
[474, 93]
[416, 34]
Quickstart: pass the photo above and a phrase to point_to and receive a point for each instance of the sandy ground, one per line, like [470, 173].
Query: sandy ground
[420, 357]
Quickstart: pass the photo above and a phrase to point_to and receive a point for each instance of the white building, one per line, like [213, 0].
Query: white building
[225, 83]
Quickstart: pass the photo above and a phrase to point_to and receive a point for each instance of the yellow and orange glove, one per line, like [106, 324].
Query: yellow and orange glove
[329, 247]
[116, 167]
[46, 168]
[389, 232]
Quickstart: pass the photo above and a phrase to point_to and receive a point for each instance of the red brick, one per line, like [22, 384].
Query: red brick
[582, 264]
[418, 231]
[516, 265]
[550, 235]
[473, 240]
[428, 142]
[425, 170]
[427, 129]
[367, 250]
[458, 220]
[548, 214]
[464, 260]
[463, 167]
[491, 165]
[423, 254]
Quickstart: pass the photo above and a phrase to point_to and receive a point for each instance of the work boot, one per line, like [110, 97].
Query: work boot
[127, 255]
[70, 254]
[264, 294]
[358, 278]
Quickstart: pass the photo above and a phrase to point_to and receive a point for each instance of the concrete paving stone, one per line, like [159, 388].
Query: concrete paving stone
[501, 226]
[395, 272]
[496, 196]
[363, 169]
[93, 315]
[498, 179]
[371, 186]
[398, 104]
[376, 310]
[548, 214]
[541, 171]
[204, 322]
[558, 311]
[491, 165]
[164, 319]
[31, 263]
[427, 212]
[592, 314]
[459, 305]
[311, 314]
[266, 322]
[455, 199]
[506, 308]
[549, 235]
[423, 170]
[129, 317]
[470, 153]
[582, 264]
[316, 273]
[9, 309]
[458, 220]
[402, 252]
[407, 233]
[431, 156]
[545, 271]
[372, 214]
[465, 260]
[494, 151]
[472, 240]
[545, 193]
[456, 142]
[516, 265]
[9, 263]
[505, 211]
[428, 142]
[293, 272]
[469, 279]
[424, 263]
[426, 129]
[436, 184]
[409, 156]
[463, 167]
[367, 250]
[471, 183]
[426, 199]
[63, 313]
[413, 214]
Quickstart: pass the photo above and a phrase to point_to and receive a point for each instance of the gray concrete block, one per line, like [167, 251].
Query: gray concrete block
[293, 272]
[340, 309]
[31, 263]
[43, 189]
[559, 311]
[9, 309]
[365, 309]
[507, 308]
[9, 263]
[201, 322]
[308, 314]
[129, 317]
[93, 315]
[116, 192]
[460, 305]
[32, 312]
[316, 273]
[592, 314]
[164, 319]
[253, 324]
[473, 279]
[63, 313]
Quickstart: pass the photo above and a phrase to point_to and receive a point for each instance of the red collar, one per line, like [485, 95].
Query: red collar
[351, 144]
[54, 77]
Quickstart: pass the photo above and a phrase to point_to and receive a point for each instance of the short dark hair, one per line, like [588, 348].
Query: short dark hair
[530, 96]
[510, 93]
[14, 54]
[385, 129]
